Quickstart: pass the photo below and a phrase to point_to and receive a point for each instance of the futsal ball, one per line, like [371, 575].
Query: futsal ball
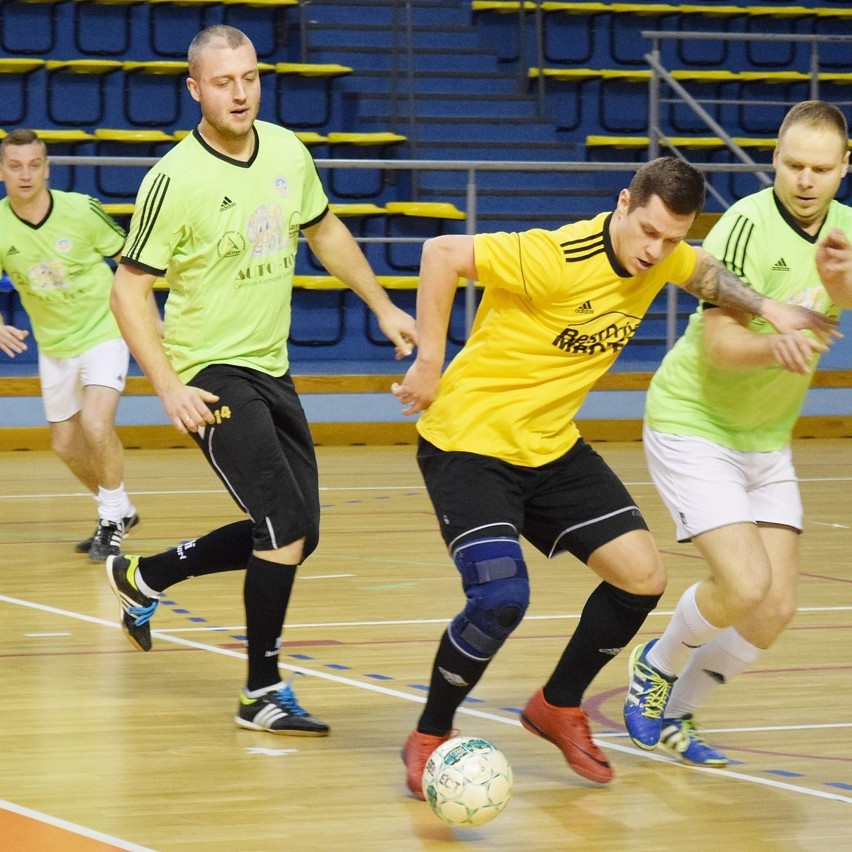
[467, 781]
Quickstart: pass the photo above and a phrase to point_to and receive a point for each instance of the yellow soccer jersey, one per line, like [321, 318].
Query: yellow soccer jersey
[557, 309]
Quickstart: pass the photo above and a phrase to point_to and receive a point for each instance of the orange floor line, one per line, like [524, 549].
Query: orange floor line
[24, 834]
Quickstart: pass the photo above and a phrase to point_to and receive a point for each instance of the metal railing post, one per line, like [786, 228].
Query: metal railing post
[539, 50]
[654, 103]
[470, 229]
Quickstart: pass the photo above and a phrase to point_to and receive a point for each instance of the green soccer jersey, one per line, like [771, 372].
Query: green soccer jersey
[750, 410]
[223, 233]
[59, 271]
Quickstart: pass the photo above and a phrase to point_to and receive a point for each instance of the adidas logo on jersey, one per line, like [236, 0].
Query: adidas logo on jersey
[12, 250]
[585, 308]
[226, 204]
[780, 266]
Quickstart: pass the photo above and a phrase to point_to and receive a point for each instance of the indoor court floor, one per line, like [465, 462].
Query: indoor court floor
[103, 747]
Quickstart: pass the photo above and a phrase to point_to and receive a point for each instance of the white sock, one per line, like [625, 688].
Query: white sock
[687, 631]
[256, 693]
[714, 665]
[143, 586]
[113, 503]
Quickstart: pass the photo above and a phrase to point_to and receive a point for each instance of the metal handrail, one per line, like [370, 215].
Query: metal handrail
[471, 168]
[660, 74]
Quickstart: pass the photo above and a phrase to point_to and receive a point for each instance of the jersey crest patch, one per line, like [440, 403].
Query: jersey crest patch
[266, 230]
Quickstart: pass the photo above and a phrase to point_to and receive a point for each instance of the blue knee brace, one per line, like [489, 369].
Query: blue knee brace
[495, 580]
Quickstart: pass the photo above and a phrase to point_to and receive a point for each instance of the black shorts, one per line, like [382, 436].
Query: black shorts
[261, 448]
[575, 503]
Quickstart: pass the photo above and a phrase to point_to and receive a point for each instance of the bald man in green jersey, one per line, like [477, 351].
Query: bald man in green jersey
[718, 428]
[52, 246]
[500, 452]
[219, 218]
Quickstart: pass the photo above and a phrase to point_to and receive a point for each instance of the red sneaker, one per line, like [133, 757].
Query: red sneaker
[568, 729]
[415, 753]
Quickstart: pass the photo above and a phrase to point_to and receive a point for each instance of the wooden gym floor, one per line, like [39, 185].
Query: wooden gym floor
[103, 747]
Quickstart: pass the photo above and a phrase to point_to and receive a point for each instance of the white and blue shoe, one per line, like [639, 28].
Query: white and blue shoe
[682, 739]
[646, 699]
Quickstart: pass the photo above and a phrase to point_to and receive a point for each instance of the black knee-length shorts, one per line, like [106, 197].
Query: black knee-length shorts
[261, 448]
[575, 503]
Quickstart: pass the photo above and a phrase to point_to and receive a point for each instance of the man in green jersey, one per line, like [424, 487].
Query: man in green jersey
[718, 428]
[219, 218]
[502, 456]
[52, 246]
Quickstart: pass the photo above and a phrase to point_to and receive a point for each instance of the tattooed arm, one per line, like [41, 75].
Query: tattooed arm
[713, 283]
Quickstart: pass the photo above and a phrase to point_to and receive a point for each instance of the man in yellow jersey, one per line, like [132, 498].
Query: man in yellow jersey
[502, 457]
[53, 246]
[219, 218]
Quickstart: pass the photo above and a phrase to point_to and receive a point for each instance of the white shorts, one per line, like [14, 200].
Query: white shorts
[63, 379]
[706, 486]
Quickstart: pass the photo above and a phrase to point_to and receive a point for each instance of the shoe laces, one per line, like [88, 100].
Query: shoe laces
[143, 613]
[582, 730]
[655, 692]
[110, 533]
[286, 698]
[689, 730]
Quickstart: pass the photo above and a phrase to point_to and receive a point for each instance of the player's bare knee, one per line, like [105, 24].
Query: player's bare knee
[62, 446]
[746, 595]
[97, 431]
[494, 576]
[643, 578]
[782, 610]
[631, 562]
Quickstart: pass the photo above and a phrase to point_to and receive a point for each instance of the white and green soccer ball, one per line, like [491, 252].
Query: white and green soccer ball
[467, 781]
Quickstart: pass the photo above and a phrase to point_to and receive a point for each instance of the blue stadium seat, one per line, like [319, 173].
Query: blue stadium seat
[155, 94]
[304, 93]
[121, 183]
[360, 184]
[172, 24]
[268, 23]
[16, 84]
[362, 220]
[77, 90]
[416, 220]
[30, 27]
[107, 27]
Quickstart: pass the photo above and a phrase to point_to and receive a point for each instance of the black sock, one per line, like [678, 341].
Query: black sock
[266, 594]
[446, 695]
[225, 549]
[610, 619]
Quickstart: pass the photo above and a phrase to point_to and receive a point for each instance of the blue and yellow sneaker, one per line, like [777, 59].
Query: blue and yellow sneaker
[646, 699]
[682, 740]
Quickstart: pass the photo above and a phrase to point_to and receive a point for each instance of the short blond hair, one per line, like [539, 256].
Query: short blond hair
[817, 114]
[229, 36]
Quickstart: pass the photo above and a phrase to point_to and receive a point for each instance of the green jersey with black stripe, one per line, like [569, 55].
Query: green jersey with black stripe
[58, 268]
[750, 410]
[223, 234]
